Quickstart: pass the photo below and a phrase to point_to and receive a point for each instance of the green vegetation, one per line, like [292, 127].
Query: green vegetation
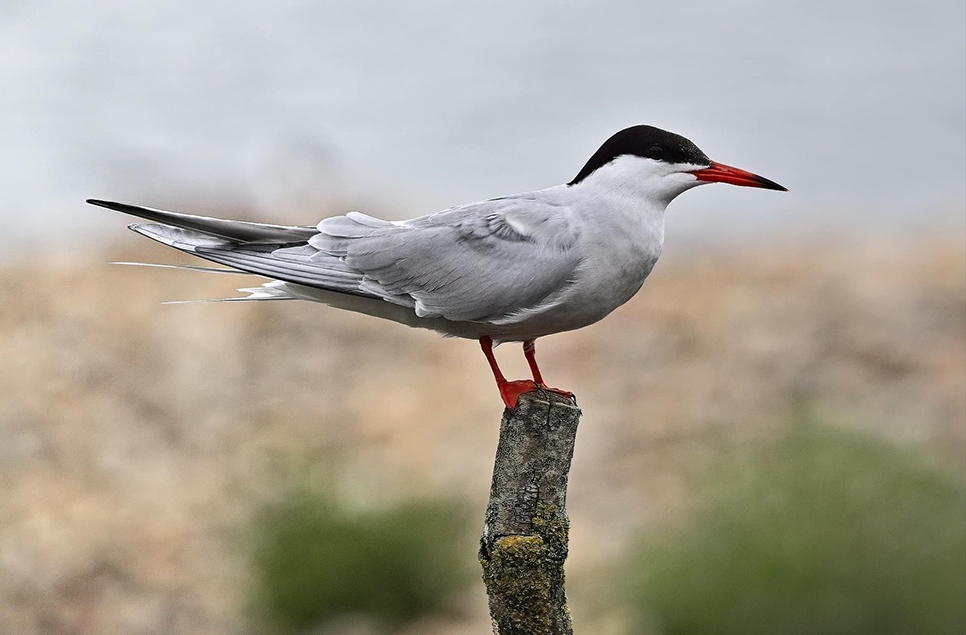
[820, 530]
[313, 562]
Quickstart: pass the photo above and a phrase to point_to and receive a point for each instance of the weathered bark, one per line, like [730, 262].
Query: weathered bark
[524, 542]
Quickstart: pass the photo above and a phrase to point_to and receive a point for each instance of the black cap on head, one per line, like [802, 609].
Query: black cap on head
[644, 141]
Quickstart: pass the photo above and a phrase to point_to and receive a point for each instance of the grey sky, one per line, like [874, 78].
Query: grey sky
[403, 108]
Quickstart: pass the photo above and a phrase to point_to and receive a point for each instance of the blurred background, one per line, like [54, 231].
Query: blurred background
[774, 430]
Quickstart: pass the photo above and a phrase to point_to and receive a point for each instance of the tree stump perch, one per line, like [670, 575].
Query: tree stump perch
[525, 535]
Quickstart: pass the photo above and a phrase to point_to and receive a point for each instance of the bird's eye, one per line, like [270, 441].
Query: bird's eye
[655, 152]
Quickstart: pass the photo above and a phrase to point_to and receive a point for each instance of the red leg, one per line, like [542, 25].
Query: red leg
[530, 352]
[510, 391]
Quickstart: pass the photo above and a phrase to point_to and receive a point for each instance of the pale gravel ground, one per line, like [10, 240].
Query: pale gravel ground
[136, 440]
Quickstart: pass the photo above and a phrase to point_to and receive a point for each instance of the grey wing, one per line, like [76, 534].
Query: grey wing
[486, 261]
[489, 261]
[245, 246]
[234, 230]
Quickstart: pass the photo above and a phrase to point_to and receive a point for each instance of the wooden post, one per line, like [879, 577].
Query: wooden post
[524, 542]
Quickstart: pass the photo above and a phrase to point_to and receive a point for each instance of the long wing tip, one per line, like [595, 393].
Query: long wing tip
[107, 204]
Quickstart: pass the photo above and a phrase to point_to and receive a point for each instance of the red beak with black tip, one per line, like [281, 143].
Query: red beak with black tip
[721, 173]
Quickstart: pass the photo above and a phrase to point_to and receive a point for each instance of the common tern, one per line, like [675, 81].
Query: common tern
[508, 269]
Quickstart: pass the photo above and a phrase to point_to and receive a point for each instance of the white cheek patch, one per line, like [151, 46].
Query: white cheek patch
[644, 178]
[674, 168]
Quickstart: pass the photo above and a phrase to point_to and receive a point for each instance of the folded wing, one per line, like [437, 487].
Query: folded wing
[486, 261]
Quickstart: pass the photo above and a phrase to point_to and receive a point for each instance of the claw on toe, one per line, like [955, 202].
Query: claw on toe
[510, 391]
[563, 393]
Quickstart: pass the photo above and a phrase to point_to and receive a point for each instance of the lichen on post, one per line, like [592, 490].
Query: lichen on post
[524, 542]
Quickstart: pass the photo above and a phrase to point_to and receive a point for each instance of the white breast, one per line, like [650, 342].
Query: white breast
[621, 235]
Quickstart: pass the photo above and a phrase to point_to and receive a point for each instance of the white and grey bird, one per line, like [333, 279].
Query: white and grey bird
[508, 269]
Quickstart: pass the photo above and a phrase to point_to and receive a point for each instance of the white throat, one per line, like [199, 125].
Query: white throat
[652, 183]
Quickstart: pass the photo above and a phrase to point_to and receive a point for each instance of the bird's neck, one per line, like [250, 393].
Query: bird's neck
[649, 183]
[621, 212]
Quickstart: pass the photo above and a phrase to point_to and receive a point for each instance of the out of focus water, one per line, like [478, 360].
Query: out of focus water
[289, 108]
